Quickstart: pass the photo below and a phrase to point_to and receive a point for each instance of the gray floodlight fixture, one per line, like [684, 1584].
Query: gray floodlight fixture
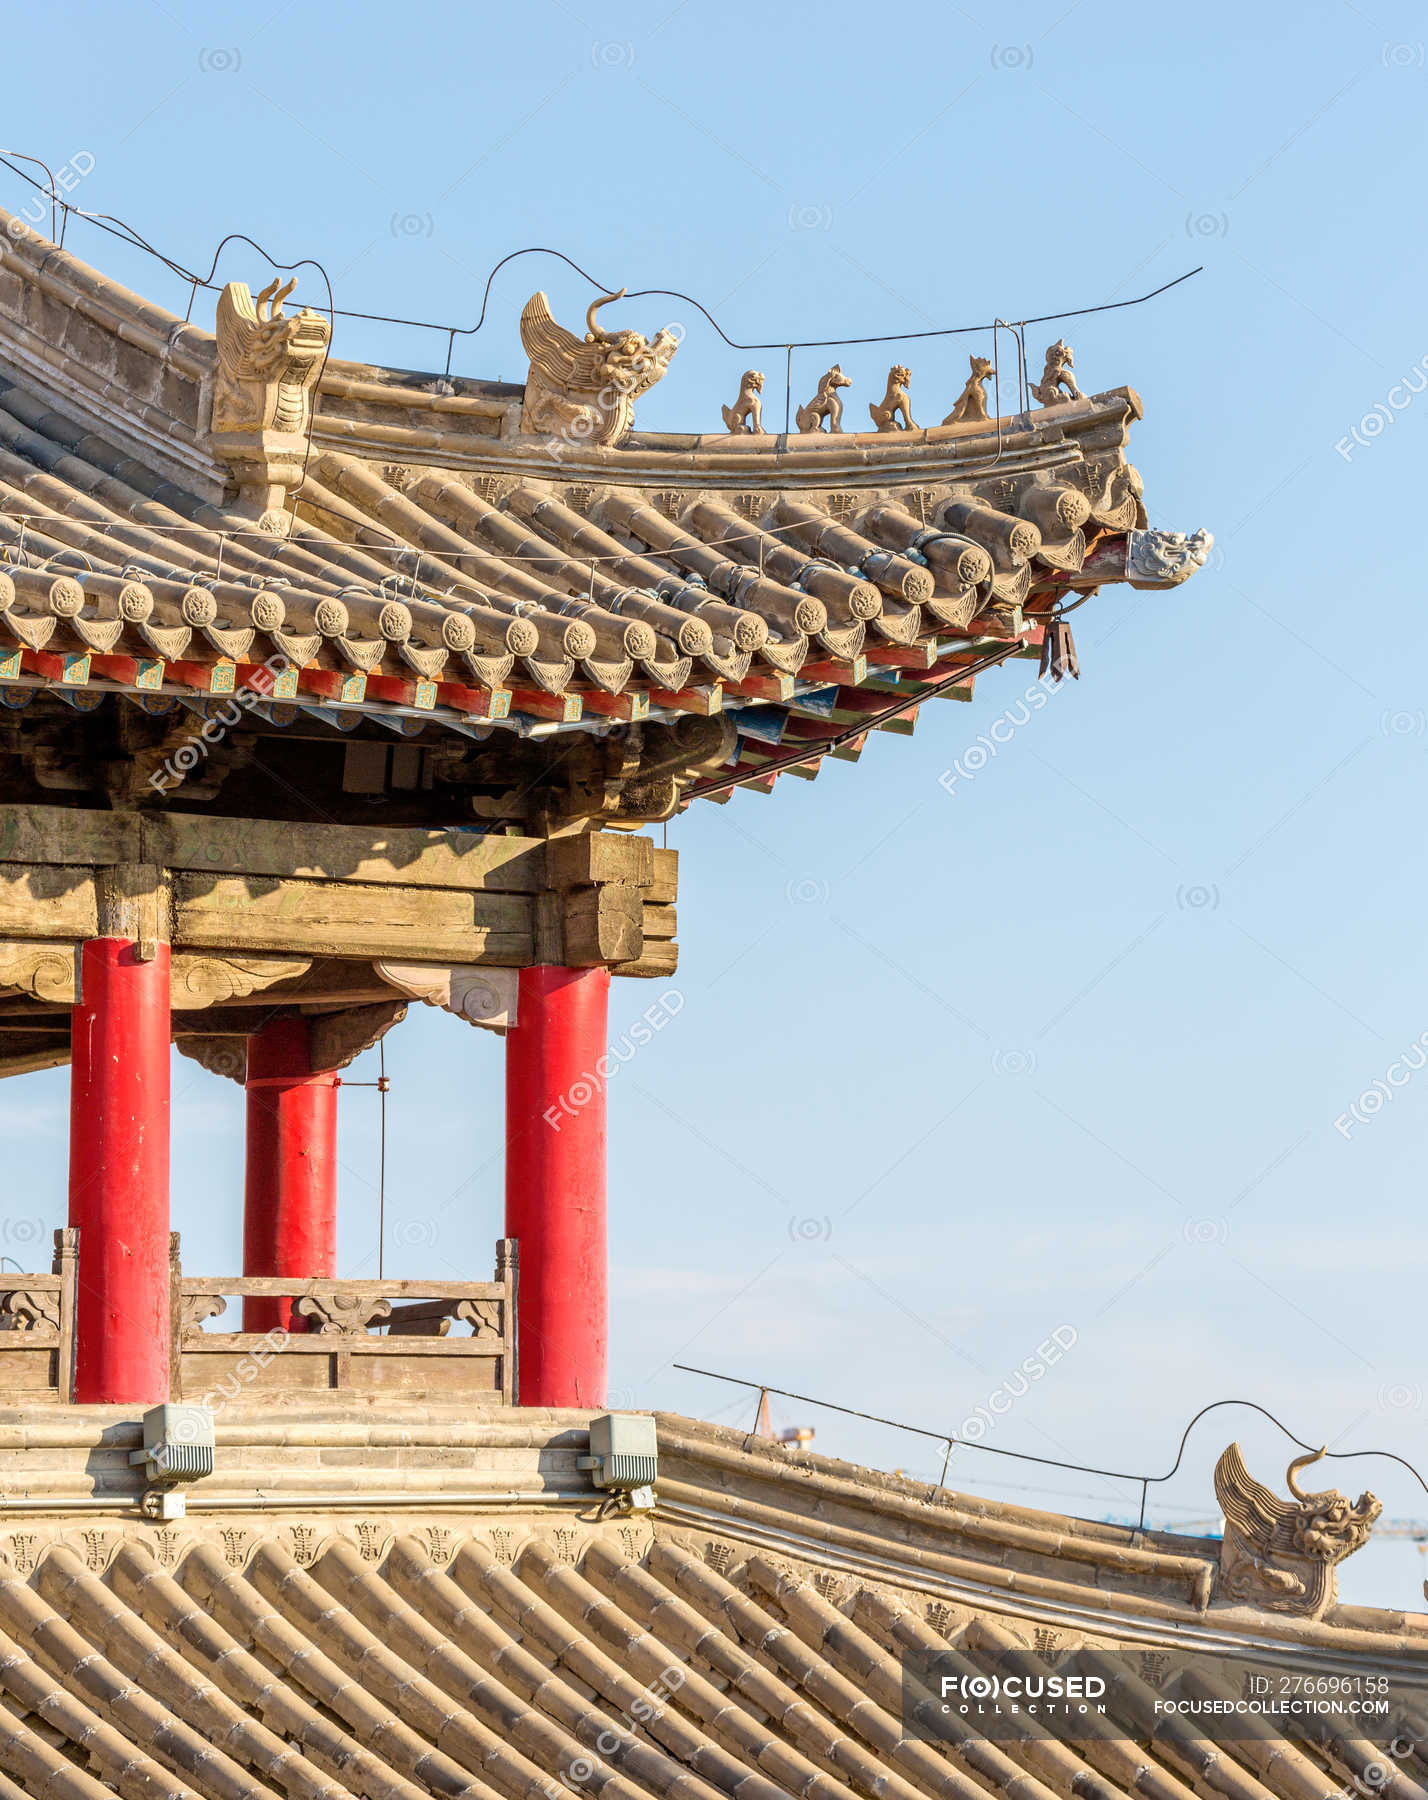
[178, 1448]
[624, 1455]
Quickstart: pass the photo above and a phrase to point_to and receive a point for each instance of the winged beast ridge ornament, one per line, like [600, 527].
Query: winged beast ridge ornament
[267, 361]
[267, 368]
[1281, 1554]
[585, 391]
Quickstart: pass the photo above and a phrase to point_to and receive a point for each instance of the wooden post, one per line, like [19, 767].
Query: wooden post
[66, 1266]
[556, 1072]
[508, 1273]
[119, 1171]
[290, 1187]
[176, 1318]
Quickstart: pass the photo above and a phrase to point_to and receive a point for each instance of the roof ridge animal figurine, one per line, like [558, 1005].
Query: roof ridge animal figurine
[1057, 382]
[894, 402]
[267, 361]
[825, 408]
[747, 412]
[972, 401]
[261, 423]
[1281, 1554]
[585, 392]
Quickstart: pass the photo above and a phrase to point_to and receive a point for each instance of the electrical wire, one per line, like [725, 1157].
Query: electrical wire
[122, 230]
[952, 1441]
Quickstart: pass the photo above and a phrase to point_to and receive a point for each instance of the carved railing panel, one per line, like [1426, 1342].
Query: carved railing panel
[37, 1328]
[436, 1339]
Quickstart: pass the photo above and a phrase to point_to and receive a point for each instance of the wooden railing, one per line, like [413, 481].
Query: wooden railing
[439, 1340]
[37, 1328]
[434, 1340]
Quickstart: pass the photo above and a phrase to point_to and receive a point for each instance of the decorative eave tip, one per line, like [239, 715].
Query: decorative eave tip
[1165, 559]
[1147, 559]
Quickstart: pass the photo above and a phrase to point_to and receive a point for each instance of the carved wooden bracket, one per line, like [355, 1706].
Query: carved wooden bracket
[199, 981]
[338, 1314]
[198, 1307]
[483, 1316]
[338, 1038]
[47, 972]
[22, 1309]
[219, 1055]
[480, 996]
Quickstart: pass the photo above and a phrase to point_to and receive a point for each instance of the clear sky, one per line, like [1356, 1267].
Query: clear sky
[1066, 1048]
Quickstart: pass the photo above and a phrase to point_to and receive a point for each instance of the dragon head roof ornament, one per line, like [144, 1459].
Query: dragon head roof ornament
[268, 368]
[1281, 1554]
[585, 392]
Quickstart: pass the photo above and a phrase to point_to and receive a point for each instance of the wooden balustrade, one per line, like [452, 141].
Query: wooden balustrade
[437, 1339]
[37, 1328]
[428, 1339]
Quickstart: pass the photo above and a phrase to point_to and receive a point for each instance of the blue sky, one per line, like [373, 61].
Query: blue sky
[1064, 1048]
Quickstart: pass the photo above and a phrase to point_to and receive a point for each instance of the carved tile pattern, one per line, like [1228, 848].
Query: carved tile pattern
[720, 1557]
[96, 1549]
[668, 501]
[235, 1543]
[503, 1544]
[1047, 1642]
[938, 1617]
[166, 1547]
[22, 1551]
[304, 1544]
[438, 1540]
[369, 1540]
[566, 1543]
[840, 506]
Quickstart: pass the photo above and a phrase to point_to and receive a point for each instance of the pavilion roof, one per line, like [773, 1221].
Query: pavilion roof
[445, 569]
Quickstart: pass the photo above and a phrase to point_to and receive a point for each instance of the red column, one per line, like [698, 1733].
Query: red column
[119, 1173]
[555, 1183]
[290, 1186]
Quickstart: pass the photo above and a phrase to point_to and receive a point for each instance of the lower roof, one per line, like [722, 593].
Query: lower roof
[500, 1631]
